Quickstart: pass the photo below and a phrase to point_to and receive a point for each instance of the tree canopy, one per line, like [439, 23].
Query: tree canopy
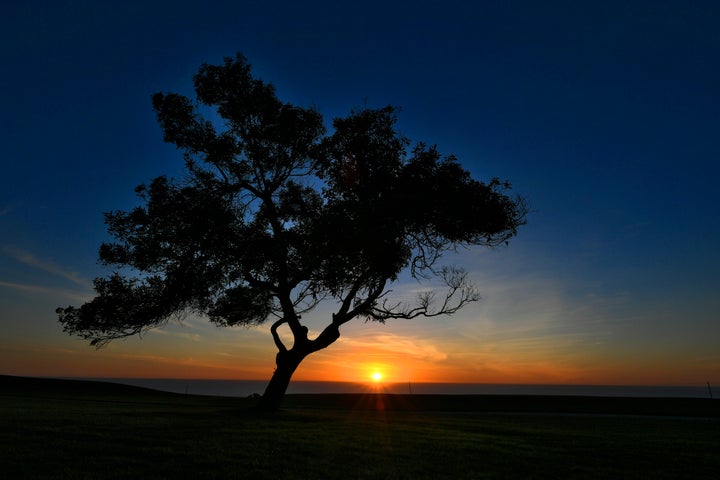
[275, 215]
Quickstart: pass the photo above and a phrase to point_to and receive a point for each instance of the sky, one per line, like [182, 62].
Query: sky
[603, 114]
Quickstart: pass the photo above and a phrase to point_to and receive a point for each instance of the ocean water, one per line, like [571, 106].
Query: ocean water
[244, 388]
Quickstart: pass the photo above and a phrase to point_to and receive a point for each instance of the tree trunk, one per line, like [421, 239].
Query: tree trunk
[287, 362]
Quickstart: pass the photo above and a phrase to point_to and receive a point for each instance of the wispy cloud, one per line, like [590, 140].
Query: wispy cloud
[48, 266]
[391, 343]
[4, 210]
[195, 337]
[76, 296]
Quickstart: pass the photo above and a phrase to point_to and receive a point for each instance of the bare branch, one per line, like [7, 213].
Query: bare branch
[276, 338]
[459, 293]
[368, 304]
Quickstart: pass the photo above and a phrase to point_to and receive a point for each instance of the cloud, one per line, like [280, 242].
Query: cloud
[5, 210]
[390, 343]
[76, 296]
[48, 266]
[194, 337]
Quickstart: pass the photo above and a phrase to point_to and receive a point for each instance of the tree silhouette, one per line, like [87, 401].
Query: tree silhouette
[275, 215]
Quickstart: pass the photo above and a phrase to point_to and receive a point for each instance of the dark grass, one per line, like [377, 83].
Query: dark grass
[70, 429]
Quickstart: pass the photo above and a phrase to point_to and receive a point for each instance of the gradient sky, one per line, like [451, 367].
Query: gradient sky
[605, 115]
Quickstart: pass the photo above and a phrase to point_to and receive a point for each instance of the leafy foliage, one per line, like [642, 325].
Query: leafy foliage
[276, 215]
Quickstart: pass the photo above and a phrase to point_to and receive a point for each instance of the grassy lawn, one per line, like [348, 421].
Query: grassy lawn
[60, 430]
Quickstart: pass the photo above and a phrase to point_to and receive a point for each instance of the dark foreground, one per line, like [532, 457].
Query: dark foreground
[69, 429]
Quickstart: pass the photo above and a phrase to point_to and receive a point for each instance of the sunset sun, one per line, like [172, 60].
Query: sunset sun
[376, 376]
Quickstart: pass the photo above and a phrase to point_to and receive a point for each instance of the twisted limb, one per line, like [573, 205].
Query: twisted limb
[276, 338]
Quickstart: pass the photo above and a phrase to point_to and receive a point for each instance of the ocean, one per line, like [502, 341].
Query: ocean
[244, 388]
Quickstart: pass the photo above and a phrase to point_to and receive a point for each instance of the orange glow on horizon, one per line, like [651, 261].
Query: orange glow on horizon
[372, 360]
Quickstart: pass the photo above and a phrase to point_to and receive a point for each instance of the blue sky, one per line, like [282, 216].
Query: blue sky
[603, 114]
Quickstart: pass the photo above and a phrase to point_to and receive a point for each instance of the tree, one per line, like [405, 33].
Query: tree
[275, 215]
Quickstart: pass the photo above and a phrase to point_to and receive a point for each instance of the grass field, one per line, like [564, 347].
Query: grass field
[65, 429]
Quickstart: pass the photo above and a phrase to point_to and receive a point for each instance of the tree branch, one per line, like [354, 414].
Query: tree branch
[342, 314]
[460, 292]
[276, 338]
[367, 304]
